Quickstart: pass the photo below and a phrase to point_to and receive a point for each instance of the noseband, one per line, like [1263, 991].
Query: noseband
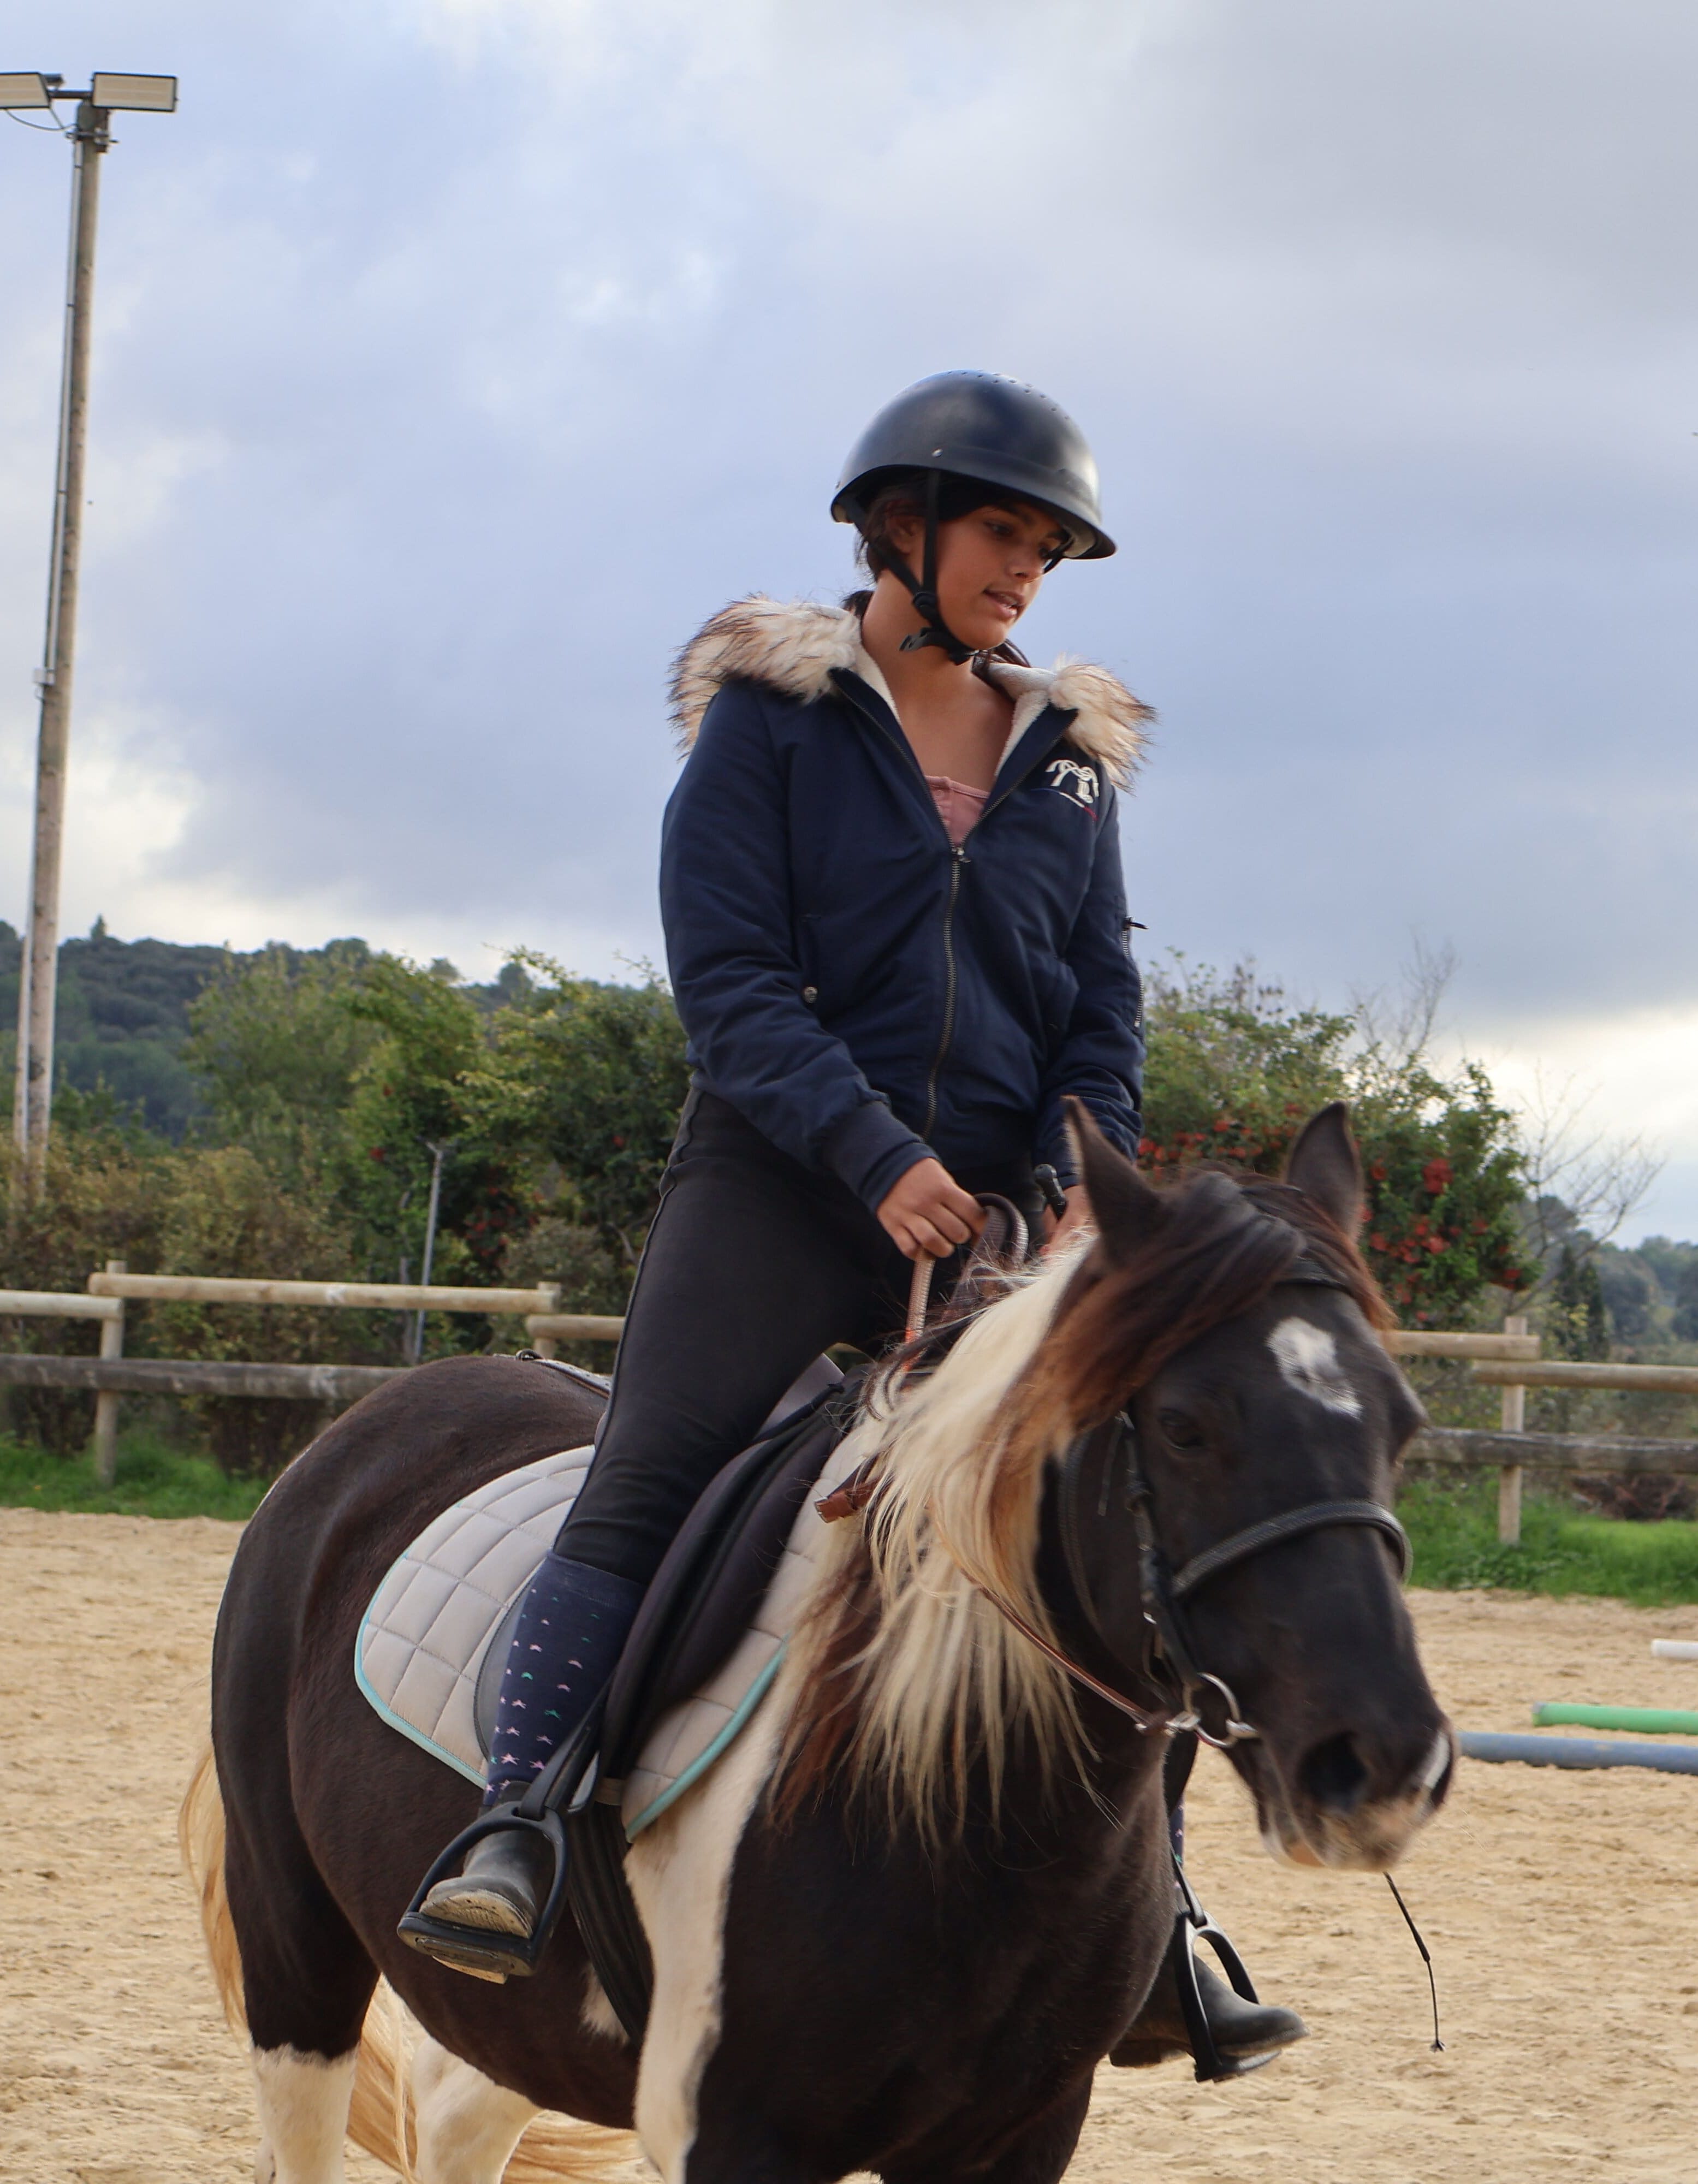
[1202, 1701]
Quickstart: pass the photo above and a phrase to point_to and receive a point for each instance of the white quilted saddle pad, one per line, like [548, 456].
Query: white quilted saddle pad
[424, 1636]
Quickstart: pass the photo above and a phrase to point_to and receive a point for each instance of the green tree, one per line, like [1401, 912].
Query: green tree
[104, 1191]
[1235, 1069]
[277, 1047]
[414, 1093]
[1576, 1316]
[1445, 1186]
[221, 1212]
[591, 1078]
[1686, 1319]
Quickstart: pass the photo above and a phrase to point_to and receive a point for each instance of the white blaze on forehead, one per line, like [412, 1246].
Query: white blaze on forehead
[1309, 1359]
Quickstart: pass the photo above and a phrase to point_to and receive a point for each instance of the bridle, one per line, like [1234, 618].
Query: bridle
[1202, 1701]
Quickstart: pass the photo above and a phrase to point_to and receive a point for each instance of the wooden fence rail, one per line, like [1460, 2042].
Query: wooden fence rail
[551, 1327]
[51, 1304]
[1419, 1342]
[340, 1385]
[1481, 1449]
[1562, 1372]
[1509, 1361]
[109, 1291]
[343, 1296]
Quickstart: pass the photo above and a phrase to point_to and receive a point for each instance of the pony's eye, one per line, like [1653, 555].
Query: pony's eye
[1178, 1430]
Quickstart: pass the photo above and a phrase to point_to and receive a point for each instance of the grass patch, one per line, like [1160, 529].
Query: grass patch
[154, 1479]
[1455, 1529]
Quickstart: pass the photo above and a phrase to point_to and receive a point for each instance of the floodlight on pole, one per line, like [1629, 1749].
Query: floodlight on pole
[38, 977]
[134, 94]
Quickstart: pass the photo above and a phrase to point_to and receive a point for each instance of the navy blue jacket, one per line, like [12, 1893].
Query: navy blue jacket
[863, 992]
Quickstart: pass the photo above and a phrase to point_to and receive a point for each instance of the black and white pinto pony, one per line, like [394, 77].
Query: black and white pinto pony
[901, 1923]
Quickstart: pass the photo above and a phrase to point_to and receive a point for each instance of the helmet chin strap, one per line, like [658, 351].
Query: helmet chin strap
[925, 591]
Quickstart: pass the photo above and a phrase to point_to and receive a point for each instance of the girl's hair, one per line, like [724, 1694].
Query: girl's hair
[903, 496]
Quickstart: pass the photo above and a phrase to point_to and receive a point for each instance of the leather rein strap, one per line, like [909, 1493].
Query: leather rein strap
[1146, 1718]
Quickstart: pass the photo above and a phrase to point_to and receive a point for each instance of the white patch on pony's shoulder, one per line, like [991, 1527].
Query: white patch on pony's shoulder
[1308, 1357]
[680, 1873]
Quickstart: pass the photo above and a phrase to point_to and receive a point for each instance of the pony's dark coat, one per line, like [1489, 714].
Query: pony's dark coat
[930, 2008]
[330, 1823]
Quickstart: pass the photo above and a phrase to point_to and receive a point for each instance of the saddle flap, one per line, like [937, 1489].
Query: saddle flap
[707, 1591]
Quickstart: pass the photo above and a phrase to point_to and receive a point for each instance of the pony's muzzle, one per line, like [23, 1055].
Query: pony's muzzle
[1355, 1802]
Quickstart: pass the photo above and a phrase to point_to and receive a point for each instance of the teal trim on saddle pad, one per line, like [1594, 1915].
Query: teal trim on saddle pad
[727, 1736]
[427, 1632]
[385, 1711]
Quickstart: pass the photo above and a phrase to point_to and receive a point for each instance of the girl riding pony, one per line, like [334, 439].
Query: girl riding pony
[896, 928]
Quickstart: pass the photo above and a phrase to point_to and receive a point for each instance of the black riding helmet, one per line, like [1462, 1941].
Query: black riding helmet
[994, 432]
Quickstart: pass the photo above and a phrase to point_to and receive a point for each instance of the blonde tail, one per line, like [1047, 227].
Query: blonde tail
[200, 1838]
[556, 2149]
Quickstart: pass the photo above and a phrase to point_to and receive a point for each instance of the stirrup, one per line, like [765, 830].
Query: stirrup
[1192, 1925]
[568, 1780]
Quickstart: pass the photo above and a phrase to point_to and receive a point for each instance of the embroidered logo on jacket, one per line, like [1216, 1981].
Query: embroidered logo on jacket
[1077, 782]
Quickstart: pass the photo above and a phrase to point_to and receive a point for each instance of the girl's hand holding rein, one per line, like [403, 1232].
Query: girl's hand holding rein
[926, 1212]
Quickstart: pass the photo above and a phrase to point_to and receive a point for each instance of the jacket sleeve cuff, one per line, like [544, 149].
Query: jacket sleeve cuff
[869, 1149]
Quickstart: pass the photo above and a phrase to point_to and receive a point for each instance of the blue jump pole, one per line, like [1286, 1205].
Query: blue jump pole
[1587, 1752]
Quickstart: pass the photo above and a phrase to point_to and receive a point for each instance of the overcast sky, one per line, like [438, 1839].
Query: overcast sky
[455, 358]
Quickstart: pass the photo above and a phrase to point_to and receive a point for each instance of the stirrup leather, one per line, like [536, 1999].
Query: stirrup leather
[1192, 1925]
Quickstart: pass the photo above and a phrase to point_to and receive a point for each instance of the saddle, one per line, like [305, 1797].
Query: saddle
[706, 1596]
[706, 1643]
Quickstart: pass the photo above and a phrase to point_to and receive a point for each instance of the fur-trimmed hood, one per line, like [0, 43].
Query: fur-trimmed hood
[794, 645]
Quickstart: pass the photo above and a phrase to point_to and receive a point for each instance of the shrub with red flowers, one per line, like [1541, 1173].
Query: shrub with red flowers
[1235, 1071]
[1444, 1183]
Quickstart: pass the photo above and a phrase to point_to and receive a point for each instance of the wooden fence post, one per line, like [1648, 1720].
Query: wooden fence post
[106, 1402]
[1514, 1416]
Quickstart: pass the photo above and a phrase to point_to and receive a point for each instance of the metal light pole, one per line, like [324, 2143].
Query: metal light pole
[38, 978]
[436, 1153]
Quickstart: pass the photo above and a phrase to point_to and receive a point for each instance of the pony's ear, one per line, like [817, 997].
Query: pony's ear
[1126, 1212]
[1325, 1166]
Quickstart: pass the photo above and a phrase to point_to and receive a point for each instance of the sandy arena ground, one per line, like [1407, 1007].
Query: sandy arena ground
[1563, 1910]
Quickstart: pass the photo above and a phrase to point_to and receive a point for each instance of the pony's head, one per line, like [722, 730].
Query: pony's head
[1209, 1362]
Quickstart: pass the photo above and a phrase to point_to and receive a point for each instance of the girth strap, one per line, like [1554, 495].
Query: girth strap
[1291, 1525]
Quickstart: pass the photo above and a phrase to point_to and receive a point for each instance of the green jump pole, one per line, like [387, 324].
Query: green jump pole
[1650, 1721]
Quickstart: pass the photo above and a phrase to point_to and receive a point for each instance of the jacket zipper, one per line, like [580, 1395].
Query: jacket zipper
[958, 858]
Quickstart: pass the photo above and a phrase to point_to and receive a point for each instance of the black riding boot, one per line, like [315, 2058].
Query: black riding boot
[1243, 2032]
[1237, 2034]
[565, 1646]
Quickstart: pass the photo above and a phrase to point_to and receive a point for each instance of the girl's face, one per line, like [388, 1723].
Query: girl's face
[990, 563]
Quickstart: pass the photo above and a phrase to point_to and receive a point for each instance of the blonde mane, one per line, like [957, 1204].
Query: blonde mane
[904, 1675]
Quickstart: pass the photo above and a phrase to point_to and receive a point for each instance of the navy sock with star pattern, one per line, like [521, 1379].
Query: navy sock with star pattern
[565, 1645]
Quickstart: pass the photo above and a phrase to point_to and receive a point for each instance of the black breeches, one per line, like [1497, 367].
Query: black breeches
[754, 1265]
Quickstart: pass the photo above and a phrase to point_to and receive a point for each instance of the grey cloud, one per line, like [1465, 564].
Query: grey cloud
[506, 343]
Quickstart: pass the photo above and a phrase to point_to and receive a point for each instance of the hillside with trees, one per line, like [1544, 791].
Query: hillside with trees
[281, 1113]
[122, 1021]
